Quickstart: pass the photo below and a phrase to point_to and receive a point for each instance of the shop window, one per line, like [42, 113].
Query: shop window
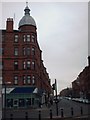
[32, 101]
[9, 103]
[28, 102]
[21, 103]
[15, 103]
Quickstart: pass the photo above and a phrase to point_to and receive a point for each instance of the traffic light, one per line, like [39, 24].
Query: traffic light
[53, 86]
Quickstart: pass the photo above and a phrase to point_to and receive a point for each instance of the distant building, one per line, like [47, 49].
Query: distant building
[23, 73]
[81, 86]
[67, 92]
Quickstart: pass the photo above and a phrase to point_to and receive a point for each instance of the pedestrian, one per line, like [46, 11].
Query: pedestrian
[51, 102]
[40, 105]
[49, 105]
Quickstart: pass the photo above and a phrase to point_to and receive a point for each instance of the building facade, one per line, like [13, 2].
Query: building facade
[81, 86]
[24, 76]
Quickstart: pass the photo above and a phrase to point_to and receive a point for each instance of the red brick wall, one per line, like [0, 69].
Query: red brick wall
[40, 72]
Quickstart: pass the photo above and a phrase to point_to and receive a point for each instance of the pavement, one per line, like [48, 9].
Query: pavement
[33, 114]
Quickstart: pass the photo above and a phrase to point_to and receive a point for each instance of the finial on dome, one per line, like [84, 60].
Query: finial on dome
[27, 10]
[26, 3]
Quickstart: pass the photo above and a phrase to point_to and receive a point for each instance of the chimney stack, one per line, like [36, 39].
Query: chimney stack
[89, 61]
[9, 25]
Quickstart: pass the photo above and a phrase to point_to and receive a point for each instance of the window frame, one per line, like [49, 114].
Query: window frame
[33, 38]
[15, 79]
[28, 64]
[28, 51]
[16, 38]
[33, 80]
[28, 79]
[33, 50]
[24, 80]
[33, 65]
[28, 37]
[15, 65]
[16, 51]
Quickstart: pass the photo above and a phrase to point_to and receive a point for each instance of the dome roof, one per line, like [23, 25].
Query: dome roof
[27, 19]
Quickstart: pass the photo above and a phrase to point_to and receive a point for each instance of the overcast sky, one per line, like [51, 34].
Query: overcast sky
[62, 29]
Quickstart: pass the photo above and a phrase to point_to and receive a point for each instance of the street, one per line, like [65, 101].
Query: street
[66, 108]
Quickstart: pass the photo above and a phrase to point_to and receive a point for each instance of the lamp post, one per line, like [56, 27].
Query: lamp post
[56, 97]
[4, 100]
[54, 87]
[5, 95]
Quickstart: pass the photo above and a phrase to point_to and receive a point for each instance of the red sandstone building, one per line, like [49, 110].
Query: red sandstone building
[23, 73]
[81, 86]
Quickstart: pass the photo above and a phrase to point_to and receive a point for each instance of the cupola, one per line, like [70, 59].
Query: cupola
[27, 19]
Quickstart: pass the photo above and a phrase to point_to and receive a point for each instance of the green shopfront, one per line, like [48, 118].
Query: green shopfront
[23, 97]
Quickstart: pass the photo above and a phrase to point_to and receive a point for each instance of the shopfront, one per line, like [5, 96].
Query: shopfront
[23, 97]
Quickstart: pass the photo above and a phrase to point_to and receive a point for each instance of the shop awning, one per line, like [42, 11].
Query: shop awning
[24, 90]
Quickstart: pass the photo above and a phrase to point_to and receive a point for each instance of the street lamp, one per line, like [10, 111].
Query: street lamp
[5, 94]
[56, 100]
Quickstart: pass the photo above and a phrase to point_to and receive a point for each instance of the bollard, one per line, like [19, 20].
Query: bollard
[26, 116]
[50, 114]
[39, 115]
[61, 112]
[11, 116]
[81, 109]
[72, 111]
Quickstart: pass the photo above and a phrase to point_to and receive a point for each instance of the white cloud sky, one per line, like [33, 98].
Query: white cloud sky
[62, 29]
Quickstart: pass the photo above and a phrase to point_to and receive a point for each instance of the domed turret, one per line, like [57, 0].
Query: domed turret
[27, 19]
